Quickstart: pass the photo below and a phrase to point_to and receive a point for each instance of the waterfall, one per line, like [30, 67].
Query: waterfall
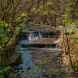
[26, 58]
[34, 36]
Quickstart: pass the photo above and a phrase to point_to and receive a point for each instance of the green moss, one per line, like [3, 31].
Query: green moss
[75, 66]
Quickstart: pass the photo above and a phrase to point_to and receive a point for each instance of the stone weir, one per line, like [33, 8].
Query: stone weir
[39, 48]
[43, 48]
[46, 56]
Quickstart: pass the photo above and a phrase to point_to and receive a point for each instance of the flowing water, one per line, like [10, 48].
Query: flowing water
[26, 58]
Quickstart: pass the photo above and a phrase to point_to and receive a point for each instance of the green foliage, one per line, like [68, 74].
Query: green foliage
[4, 34]
[2, 75]
[71, 12]
[4, 70]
